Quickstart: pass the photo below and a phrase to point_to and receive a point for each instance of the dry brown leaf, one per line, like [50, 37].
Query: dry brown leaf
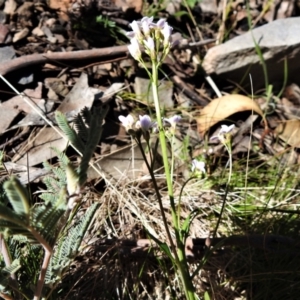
[11, 108]
[289, 132]
[62, 6]
[137, 5]
[221, 108]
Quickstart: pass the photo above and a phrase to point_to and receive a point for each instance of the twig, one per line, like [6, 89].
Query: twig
[61, 57]
[7, 259]
[188, 91]
[40, 284]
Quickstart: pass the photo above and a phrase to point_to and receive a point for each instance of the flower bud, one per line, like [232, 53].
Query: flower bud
[134, 49]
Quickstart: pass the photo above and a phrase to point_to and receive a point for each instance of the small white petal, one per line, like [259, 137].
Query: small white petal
[149, 43]
[161, 23]
[130, 34]
[146, 28]
[127, 122]
[199, 165]
[134, 49]
[147, 20]
[147, 23]
[226, 129]
[136, 29]
[173, 120]
[167, 31]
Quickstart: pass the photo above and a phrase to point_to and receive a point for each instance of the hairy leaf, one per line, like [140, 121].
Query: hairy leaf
[68, 131]
[17, 196]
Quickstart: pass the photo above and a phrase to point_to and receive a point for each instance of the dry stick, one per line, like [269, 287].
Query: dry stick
[15, 138]
[40, 284]
[7, 259]
[222, 26]
[35, 59]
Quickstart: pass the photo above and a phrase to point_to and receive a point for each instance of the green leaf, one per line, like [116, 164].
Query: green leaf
[68, 131]
[72, 180]
[68, 246]
[9, 215]
[192, 3]
[186, 225]
[46, 219]
[6, 272]
[95, 130]
[180, 14]
[206, 296]
[18, 196]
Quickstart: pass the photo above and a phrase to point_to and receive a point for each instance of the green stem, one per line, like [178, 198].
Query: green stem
[162, 136]
[180, 258]
[228, 148]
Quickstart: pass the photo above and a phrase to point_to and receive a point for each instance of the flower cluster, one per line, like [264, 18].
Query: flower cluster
[152, 36]
[145, 123]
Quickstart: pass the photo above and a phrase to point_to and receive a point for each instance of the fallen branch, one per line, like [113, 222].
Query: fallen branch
[83, 55]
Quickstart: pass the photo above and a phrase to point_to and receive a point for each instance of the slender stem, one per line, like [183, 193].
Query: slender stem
[4, 250]
[162, 138]
[228, 148]
[180, 258]
[158, 196]
[41, 280]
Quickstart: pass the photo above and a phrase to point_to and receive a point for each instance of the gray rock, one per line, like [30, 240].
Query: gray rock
[26, 79]
[7, 53]
[237, 58]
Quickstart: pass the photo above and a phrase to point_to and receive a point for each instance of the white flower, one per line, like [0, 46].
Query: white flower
[198, 165]
[134, 49]
[161, 23]
[147, 24]
[149, 43]
[173, 121]
[130, 34]
[223, 131]
[167, 31]
[149, 20]
[226, 129]
[144, 122]
[136, 29]
[127, 122]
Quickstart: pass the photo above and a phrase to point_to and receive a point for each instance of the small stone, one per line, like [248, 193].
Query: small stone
[7, 53]
[26, 79]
